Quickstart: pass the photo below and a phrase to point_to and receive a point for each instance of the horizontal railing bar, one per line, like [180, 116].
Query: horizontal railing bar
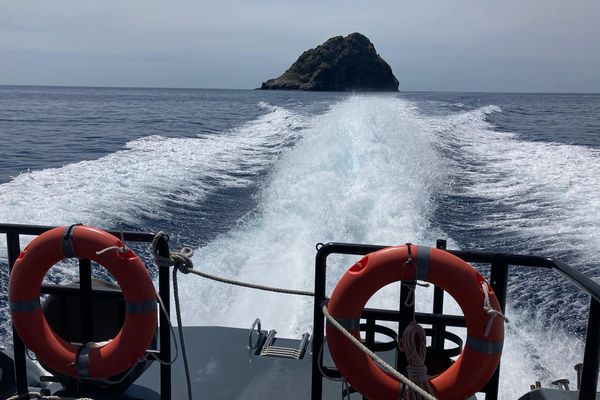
[38, 230]
[503, 258]
[423, 318]
[74, 290]
[583, 282]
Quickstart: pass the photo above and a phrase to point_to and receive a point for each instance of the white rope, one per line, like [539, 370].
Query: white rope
[121, 249]
[106, 250]
[410, 296]
[320, 365]
[487, 307]
[182, 260]
[414, 344]
[251, 285]
[122, 379]
[385, 366]
[166, 314]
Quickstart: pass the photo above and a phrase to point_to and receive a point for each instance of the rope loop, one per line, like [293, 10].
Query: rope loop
[410, 297]
[487, 307]
[411, 286]
[182, 259]
[120, 249]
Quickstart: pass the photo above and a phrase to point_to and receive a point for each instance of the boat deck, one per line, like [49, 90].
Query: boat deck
[222, 367]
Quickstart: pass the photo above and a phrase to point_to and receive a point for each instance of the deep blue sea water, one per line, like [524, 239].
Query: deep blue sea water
[253, 179]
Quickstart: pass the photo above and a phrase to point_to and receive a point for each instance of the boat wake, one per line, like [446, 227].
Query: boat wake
[376, 170]
[371, 169]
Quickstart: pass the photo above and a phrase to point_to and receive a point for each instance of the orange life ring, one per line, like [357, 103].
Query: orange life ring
[481, 355]
[92, 361]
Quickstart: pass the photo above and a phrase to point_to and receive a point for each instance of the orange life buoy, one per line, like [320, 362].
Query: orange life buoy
[483, 347]
[94, 361]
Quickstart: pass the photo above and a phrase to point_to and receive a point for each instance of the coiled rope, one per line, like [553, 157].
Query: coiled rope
[414, 344]
[382, 364]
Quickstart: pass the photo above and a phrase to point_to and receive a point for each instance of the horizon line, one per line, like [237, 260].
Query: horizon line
[304, 91]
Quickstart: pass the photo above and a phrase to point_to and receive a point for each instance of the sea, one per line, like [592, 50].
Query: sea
[253, 180]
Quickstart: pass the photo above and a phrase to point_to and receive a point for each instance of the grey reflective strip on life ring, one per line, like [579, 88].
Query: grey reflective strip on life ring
[140, 307]
[423, 263]
[349, 324]
[66, 242]
[483, 346]
[82, 362]
[24, 306]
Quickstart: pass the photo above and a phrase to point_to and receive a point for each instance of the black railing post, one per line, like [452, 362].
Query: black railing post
[370, 333]
[165, 332]
[318, 328]
[498, 282]
[591, 358]
[14, 249]
[85, 293]
[437, 341]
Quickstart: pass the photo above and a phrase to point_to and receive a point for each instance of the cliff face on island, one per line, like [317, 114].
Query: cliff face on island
[340, 64]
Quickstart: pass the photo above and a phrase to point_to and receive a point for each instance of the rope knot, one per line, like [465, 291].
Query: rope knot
[487, 307]
[182, 259]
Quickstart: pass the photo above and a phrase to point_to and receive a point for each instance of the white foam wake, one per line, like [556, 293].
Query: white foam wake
[364, 172]
[134, 183]
[540, 198]
[369, 170]
[547, 195]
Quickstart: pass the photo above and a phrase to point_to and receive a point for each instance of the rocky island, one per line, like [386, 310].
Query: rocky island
[340, 64]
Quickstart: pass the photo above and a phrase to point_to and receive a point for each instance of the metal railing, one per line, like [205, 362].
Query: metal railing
[86, 293]
[498, 279]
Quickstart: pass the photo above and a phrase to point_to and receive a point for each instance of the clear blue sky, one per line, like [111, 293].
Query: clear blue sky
[445, 45]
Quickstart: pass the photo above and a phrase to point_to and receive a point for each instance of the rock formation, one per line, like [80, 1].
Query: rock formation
[340, 64]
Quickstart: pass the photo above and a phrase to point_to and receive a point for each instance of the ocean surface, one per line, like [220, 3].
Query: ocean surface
[254, 179]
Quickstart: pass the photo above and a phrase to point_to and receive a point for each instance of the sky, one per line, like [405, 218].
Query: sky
[445, 45]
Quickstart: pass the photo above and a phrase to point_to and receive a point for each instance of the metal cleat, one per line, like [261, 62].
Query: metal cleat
[562, 384]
